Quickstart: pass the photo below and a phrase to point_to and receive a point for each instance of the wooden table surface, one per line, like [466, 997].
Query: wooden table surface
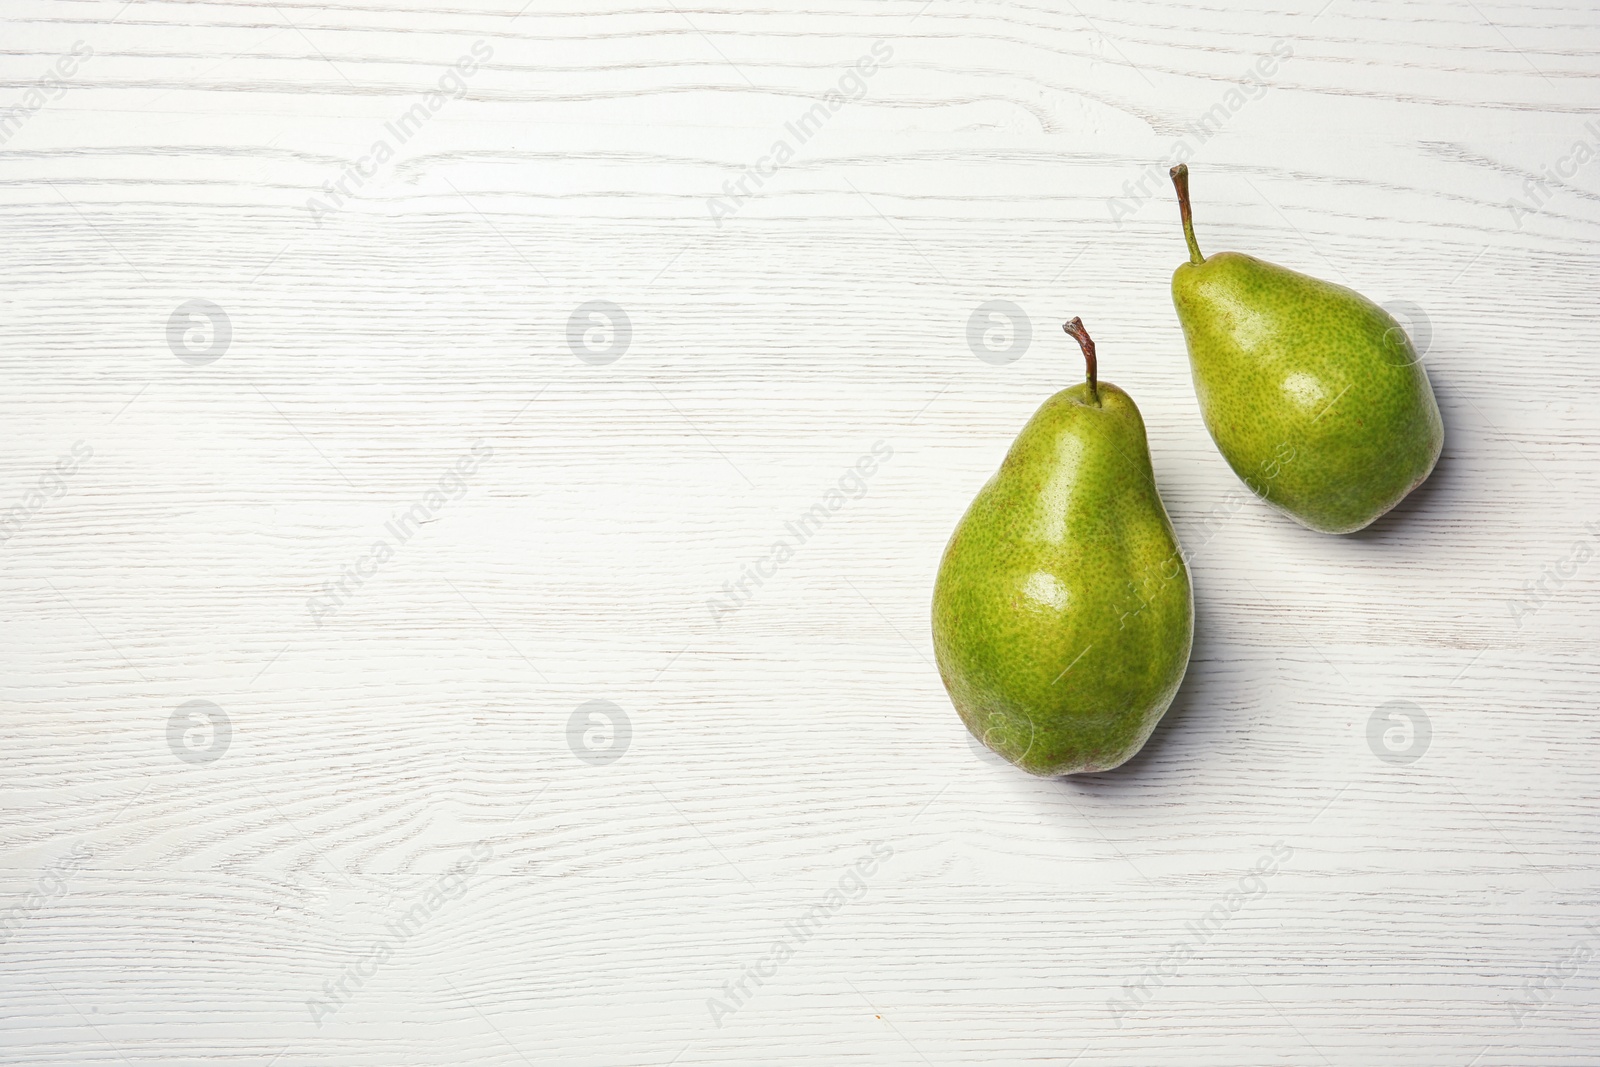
[410, 656]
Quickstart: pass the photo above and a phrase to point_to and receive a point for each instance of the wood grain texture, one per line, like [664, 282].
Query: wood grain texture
[163, 911]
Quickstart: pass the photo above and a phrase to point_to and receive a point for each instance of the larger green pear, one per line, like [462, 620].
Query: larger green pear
[1062, 614]
[1312, 393]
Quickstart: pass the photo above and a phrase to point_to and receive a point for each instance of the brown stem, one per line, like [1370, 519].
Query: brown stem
[1180, 181]
[1076, 329]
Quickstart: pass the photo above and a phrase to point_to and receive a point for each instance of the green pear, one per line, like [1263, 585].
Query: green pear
[1062, 614]
[1312, 393]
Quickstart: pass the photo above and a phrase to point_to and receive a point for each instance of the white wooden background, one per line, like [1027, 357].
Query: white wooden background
[182, 895]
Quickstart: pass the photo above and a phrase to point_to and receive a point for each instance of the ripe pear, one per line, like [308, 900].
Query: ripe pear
[1062, 614]
[1312, 393]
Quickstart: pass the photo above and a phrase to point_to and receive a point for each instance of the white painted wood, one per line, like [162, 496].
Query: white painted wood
[174, 912]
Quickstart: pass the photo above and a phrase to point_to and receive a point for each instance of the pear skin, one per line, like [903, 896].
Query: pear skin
[1312, 393]
[1062, 613]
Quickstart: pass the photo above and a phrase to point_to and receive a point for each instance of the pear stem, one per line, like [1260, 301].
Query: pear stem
[1180, 181]
[1076, 329]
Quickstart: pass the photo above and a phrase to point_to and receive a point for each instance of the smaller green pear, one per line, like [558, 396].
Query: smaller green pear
[1062, 613]
[1312, 393]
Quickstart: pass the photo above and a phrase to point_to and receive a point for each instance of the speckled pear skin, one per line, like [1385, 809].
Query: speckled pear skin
[1062, 614]
[1312, 393]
